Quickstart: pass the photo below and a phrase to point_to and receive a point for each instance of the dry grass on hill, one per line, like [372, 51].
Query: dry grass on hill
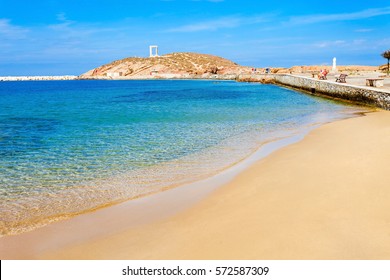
[194, 65]
[175, 63]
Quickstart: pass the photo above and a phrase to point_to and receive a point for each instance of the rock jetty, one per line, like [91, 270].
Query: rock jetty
[37, 78]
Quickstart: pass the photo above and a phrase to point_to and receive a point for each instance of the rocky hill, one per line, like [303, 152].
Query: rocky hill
[175, 65]
[196, 66]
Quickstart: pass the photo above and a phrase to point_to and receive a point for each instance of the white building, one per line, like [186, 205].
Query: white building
[114, 74]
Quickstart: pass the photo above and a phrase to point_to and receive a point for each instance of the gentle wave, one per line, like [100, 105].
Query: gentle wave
[84, 145]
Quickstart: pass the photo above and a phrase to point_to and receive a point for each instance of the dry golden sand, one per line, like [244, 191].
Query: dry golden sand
[326, 197]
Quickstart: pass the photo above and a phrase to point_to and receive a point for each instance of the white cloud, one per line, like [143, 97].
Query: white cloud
[215, 1]
[10, 31]
[63, 22]
[61, 17]
[364, 30]
[328, 44]
[220, 23]
[350, 45]
[210, 25]
[340, 17]
[359, 41]
[57, 42]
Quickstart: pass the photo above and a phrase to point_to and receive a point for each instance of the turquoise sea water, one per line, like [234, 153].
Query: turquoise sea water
[67, 147]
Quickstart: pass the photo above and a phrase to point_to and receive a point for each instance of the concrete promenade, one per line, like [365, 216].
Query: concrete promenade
[354, 90]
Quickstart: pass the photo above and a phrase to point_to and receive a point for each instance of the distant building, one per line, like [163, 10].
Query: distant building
[114, 74]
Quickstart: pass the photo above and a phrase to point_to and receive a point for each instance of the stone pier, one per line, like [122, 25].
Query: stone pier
[359, 94]
[37, 78]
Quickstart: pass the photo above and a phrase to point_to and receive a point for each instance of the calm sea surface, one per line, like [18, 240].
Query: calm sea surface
[67, 147]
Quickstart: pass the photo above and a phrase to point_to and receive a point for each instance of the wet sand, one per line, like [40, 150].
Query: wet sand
[325, 197]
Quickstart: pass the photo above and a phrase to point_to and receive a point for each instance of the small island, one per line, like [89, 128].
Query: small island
[180, 65]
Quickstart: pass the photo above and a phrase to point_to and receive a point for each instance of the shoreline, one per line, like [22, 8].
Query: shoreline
[155, 208]
[158, 206]
[325, 197]
[159, 177]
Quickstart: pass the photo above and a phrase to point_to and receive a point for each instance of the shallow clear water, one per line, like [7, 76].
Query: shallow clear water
[70, 146]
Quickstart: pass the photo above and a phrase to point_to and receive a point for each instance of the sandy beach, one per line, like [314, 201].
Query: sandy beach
[325, 197]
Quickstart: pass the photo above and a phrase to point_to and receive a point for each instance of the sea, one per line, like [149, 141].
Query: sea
[69, 147]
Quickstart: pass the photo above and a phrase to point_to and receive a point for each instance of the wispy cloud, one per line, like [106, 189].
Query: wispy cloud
[220, 23]
[327, 44]
[10, 31]
[364, 30]
[211, 25]
[63, 22]
[369, 13]
[216, 1]
[66, 39]
[351, 44]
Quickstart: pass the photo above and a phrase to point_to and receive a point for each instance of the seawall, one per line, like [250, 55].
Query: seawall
[359, 94]
[37, 78]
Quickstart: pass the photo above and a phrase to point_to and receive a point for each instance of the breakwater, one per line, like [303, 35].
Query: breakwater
[359, 94]
[37, 78]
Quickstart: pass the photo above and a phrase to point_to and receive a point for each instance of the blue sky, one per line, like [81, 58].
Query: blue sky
[52, 37]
